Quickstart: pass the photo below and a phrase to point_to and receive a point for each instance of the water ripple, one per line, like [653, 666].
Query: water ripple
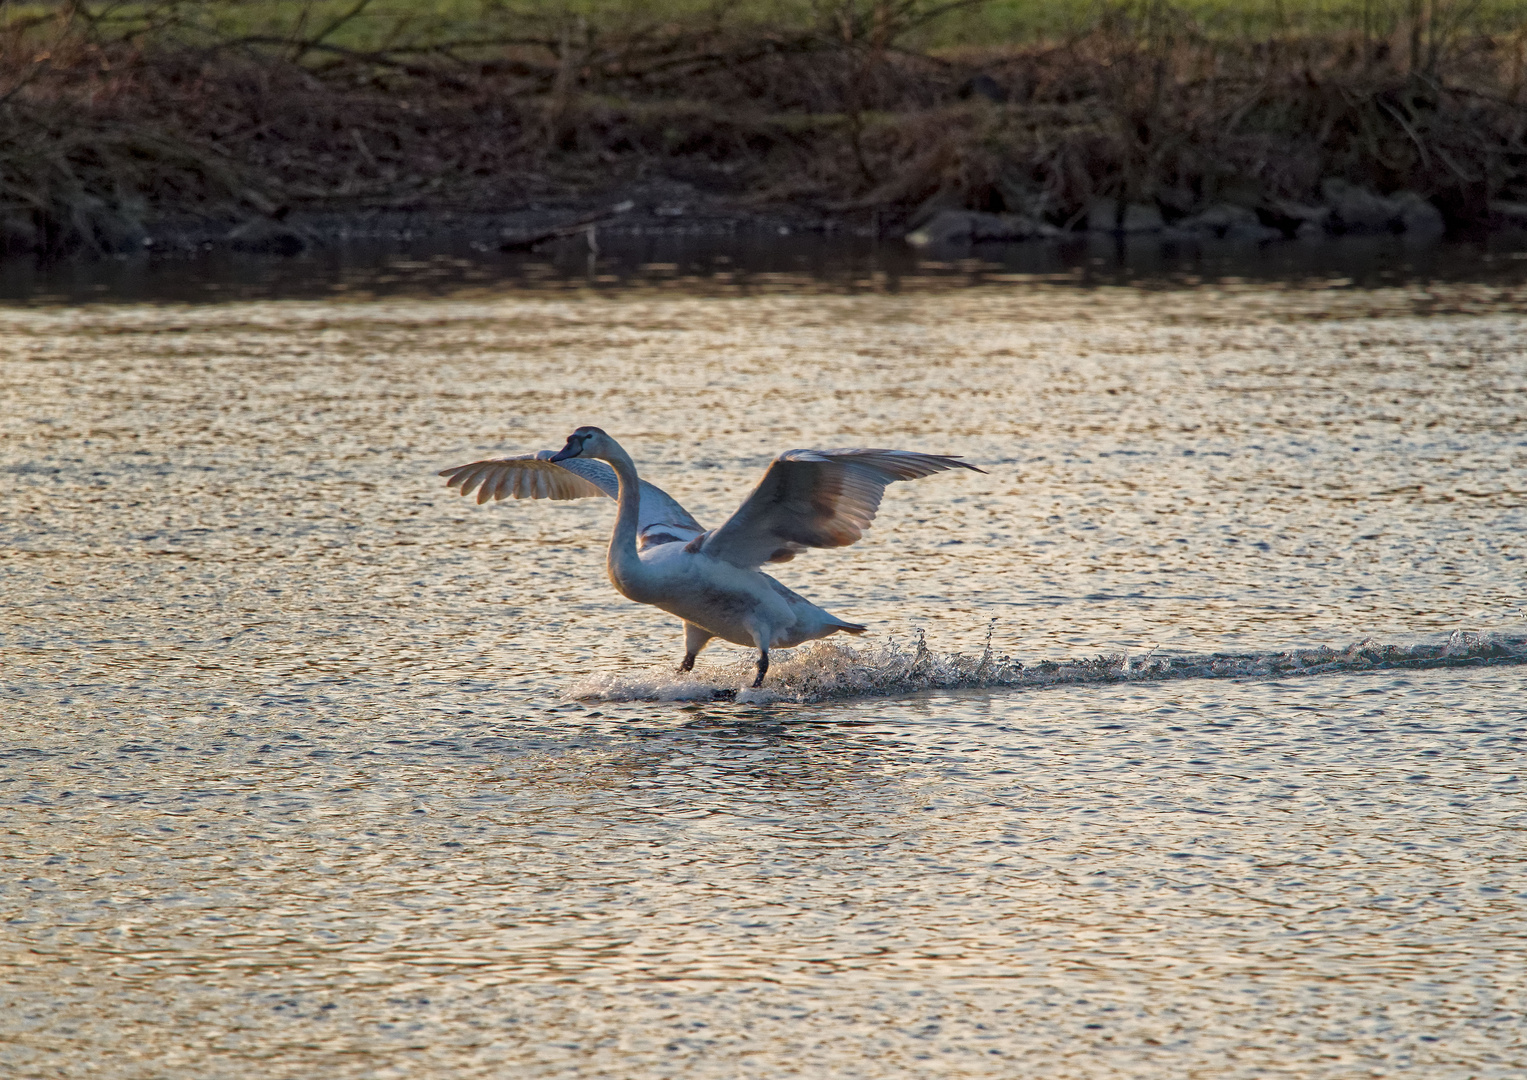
[311, 768]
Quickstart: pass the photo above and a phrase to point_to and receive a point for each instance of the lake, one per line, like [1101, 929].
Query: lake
[1186, 742]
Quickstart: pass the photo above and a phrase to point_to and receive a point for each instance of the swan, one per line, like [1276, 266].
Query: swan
[660, 555]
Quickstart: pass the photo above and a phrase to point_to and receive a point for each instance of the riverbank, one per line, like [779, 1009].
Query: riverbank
[115, 144]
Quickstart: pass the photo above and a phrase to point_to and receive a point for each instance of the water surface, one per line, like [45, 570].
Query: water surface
[312, 768]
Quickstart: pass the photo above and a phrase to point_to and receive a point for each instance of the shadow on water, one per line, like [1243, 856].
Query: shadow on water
[750, 263]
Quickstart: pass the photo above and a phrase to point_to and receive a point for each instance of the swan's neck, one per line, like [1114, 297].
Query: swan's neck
[623, 563]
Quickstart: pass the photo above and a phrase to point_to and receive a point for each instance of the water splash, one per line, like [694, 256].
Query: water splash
[828, 671]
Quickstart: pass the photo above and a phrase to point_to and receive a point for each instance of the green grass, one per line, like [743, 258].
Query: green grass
[421, 24]
[1029, 20]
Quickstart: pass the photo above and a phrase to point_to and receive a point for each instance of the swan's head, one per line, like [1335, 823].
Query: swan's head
[589, 442]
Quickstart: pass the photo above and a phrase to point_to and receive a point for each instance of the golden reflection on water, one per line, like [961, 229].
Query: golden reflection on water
[292, 783]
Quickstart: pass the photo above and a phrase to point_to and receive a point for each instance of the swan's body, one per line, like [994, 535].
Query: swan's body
[660, 555]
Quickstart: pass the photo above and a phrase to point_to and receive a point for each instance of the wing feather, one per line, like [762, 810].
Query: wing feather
[533, 476]
[524, 477]
[816, 498]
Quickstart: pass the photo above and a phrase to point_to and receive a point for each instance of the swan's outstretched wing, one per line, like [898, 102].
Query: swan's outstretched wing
[534, 476]
[816, 498]
[529, 476]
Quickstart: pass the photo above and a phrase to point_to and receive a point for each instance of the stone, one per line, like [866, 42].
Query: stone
[1514, 212]
[18, 232]
[949, 227]
[982, 85]
[120, 232]
[1217, 219]
[941, 200]
[1356, 210]
[267, 237]
[1104, 215]
[1142, 217]
[1419, 218]
[1359, 211]
[1294, 211]
[944, 228]
[1178, 199]
[1252, 232]
[1020, 197]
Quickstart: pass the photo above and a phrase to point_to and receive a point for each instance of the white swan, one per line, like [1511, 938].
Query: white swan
[660, 555]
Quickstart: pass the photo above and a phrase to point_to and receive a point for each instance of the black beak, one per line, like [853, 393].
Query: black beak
[571, 450]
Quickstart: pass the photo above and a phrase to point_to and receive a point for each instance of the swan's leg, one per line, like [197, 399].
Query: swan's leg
[695, 639]
[763, 638]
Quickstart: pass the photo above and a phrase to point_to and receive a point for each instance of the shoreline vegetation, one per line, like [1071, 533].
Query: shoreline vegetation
[269, 125]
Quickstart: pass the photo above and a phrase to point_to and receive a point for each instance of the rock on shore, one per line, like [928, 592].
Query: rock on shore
[1345, 209]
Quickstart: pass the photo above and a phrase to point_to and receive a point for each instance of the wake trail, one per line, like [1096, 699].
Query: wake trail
[827, 671]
